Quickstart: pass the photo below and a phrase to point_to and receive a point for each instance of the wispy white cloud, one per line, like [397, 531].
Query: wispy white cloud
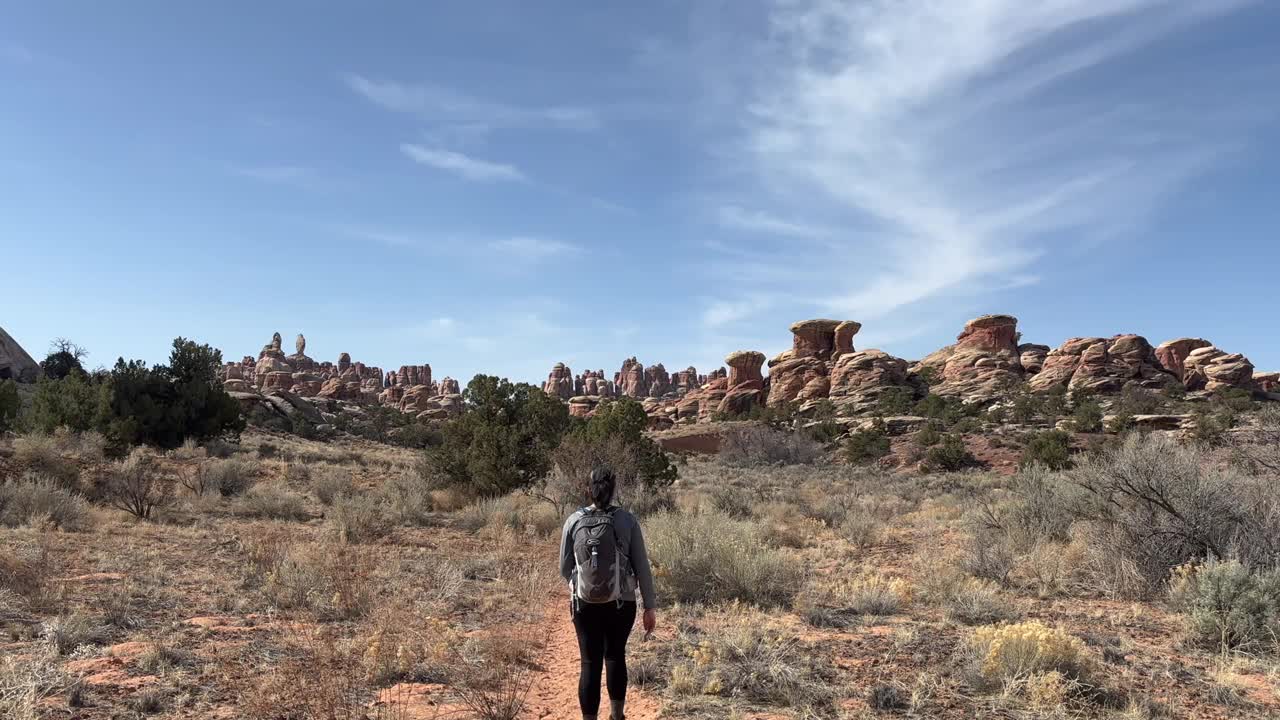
[450, 108]
[464, 166]
[957, 138]
[738, 218]
[719, 313]
[530, 248]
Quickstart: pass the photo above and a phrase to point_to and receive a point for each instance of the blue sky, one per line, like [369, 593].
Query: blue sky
[500, 186]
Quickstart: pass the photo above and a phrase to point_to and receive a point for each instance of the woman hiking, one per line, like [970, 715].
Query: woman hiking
[602, 555]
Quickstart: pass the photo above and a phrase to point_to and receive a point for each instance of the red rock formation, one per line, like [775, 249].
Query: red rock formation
[1031, 357]
[859, 379]
[793, 378]
[1102, 365]
[745, 385]
[560, 383]
[1172, 354]
[657, 381]
[449, 386]
[815, 338]
[1268, 382]
[982, 364]
[844, 337]
[631, 381]
[1209, 368]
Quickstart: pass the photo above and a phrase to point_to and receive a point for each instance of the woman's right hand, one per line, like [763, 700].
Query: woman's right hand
[650, 620]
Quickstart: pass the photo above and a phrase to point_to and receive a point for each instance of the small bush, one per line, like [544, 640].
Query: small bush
[927, 436]
[731, 500]
[137, 485]
[1008, 653]
[756, 445]
[1228, 606]
[226, 478]
[712, 558]
[10, 403]
[68, 632]
[273, 502]
[330, 483]
[977, 602]
[861, 529]
[740, 653]
[330, 579]
[1051, 449]
[406, 499]
[358, 519]
[950, 456]
[27, 680]
[833, 602]
[1087, 416]
[43, 454]
[864, 446]
[39, 502]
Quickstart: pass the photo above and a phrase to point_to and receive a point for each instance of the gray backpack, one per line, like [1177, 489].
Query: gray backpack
[598, 559]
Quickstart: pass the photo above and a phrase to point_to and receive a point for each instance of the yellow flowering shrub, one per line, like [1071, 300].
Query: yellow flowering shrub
[1014, 652]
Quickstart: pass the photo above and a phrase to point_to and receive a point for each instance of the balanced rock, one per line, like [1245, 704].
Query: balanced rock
[745, 385]
[983, 362]
[744, 366]
[582, 405]
[815, 338]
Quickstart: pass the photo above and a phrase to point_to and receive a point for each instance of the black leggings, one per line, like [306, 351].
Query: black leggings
[602, 642]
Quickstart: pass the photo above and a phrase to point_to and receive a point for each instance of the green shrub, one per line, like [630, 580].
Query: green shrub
[64, 359]
[1229, 606]
[867, 445]
[1051, 449]
[10, 403]
[504, 438]
[927, 436]
[896, 400]
[951, 455]
[1087, 416]
[77, 402]
[712, 558]
[1136, 400]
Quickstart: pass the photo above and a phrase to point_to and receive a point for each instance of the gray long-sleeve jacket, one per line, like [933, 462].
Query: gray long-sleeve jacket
[630, 544]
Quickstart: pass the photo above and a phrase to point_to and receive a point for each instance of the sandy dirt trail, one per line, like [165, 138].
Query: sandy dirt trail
[554, 692]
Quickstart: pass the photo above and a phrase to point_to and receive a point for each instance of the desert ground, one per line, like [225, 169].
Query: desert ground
[288, 578]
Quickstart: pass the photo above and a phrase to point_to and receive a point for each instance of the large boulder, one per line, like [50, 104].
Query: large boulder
[1031, 356]
[859, 379]
[983, 363]
[15, 363]
[744, 366]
